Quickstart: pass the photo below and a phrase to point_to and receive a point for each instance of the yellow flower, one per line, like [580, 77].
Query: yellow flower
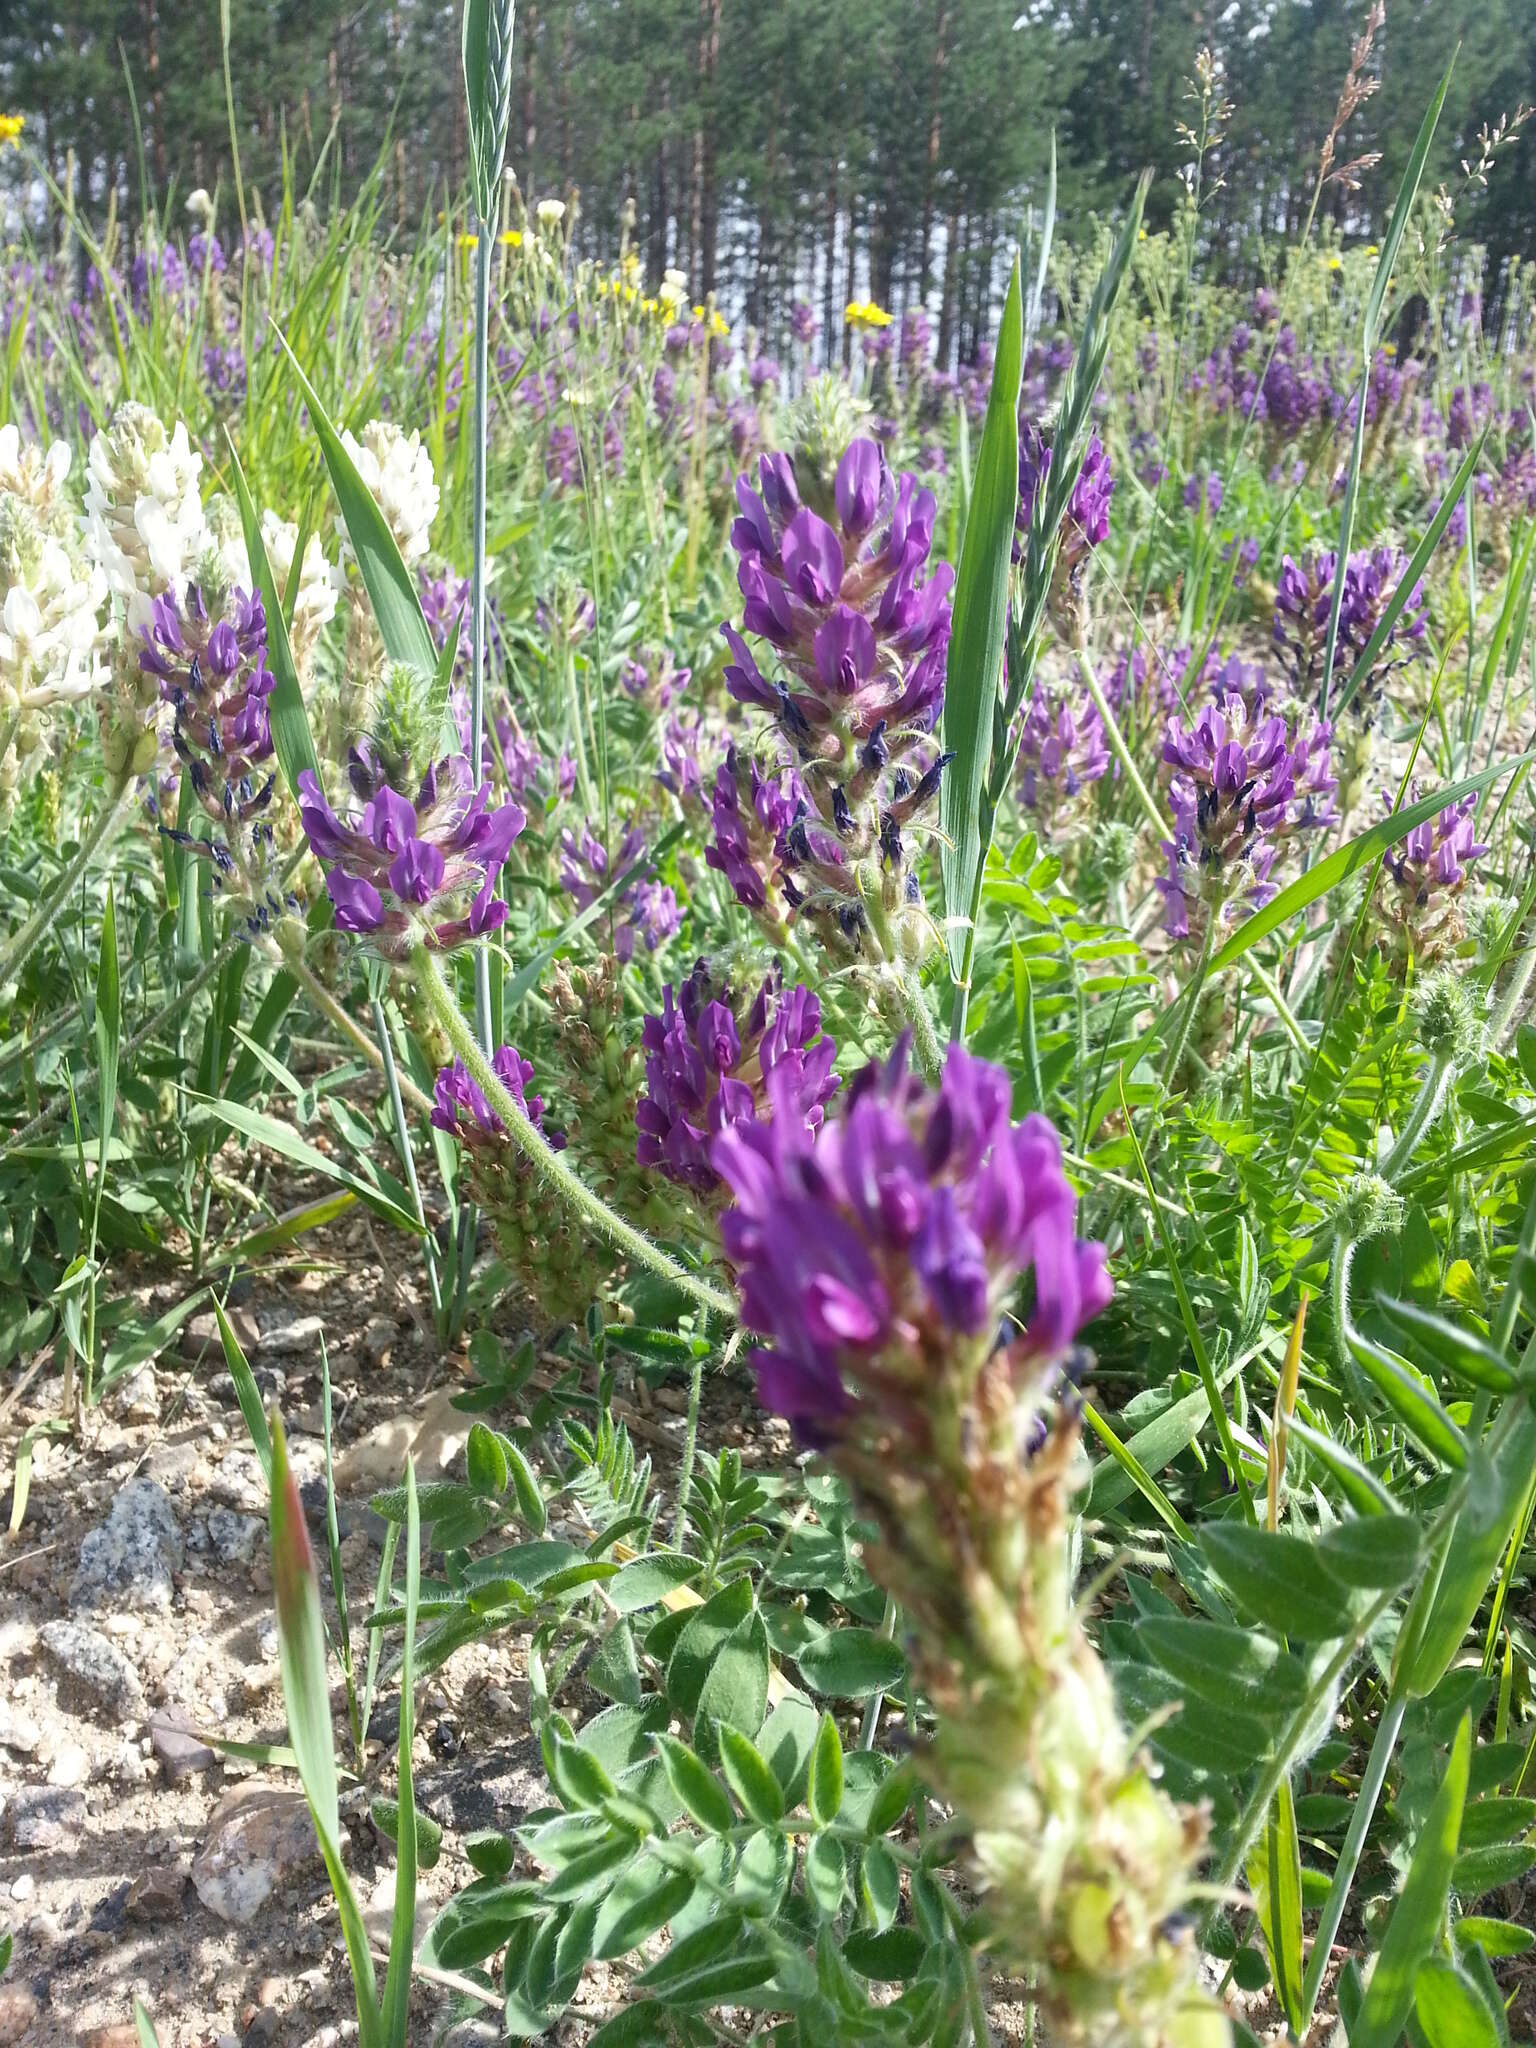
[1334, 263]
[1372, 250]
[467, 241]
[509, 238]
[865, 313]
[11, 126]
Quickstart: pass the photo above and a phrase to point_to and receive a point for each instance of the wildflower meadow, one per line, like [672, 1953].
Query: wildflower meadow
[767, 1116]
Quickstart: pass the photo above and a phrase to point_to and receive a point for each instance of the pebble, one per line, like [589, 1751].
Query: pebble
[18, 2015]
[157, 1894]
[92, 1670]
[181, 1753]
[133, 1558]
[18, 1732]
[201, 1334]
[46, 1816]
[139, 1399]
[70, 1766]
[23, 1888]
[293, 1337]
[259, 1836]
[234, 1537]
[378, 1340]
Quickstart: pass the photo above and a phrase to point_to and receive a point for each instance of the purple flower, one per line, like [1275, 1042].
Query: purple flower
[1086, 524]
[883, 1253]
[1304, 601]
[1239, 784]
[1062, 749]
[751, 814]
[803, 324]
[707, 1066]
[645, 910]
[842, 591]
[1430, 868]
[403, 873]
[653, 679]
[462, 1110]
[214, 676]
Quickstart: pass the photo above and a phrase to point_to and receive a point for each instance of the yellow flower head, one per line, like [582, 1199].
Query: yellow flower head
[467, 241]
[509, 238]
[11, 126]
[1334, 263]
[865, 313]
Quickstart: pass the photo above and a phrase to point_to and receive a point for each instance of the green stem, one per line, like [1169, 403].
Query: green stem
[1120, 750]
[477, 598]
[690, 1452]
[14, 954]
[1192, 1002]
[1513, 996]
[551, 1166]
[408, 1156]
[376, 1055]
[1422, 1116]
[1349, 1856]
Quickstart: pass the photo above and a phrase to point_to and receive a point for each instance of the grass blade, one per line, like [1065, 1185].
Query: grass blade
[397, 1979]
[292, 740]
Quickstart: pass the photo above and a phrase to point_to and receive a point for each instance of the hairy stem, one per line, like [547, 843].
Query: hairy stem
[1424, 1114]
[551, 1166]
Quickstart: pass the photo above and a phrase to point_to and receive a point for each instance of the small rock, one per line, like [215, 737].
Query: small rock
[273, 1991]
[293, 1337]
[125, 2036]
[46, 1816]
[263, 2026]
[233, 1536]
[201, 1334]
[238, 1482]
[93, 1671]
[173, 1463]
[157, 1894]
[23, 1888]
[139, 1400]
[181, 1753]
[18, 1732]
[259, 1835]
[18, 2015]
[132, 1559]
[378, 1340]
[70, 1766]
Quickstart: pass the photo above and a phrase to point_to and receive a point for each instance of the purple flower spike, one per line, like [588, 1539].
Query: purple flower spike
[644, 910]
[1240, 784]
[1086, 525]
[405, 873]
[708, 1061]
[884, 1253]
[460, 1108]
[1062, 749]
[1430, 868]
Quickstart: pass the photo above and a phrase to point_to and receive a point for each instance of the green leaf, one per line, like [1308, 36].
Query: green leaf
[1227, 1667]
[735, 1694]
[246, 1394]
[646, 1581]
[1462, 1352]
[390, 585]
[525, 1485]
[1451, 2009]
[973, 672]
[826, 1874]
[284, 1139]
[485, 1461]
[144, 2026]
[385, 1815]
[1496, 1938]
[109, 1033]
[1413, 1403]
[306, 1695]
[643, 1901]
[1402, 211]
[888, 1956]
[702, 1794]
[1479, 1871]
[824, 1791]
[579, 1778]
[879, 1884]
[292, 740]
[700, 1640]
[851, 1663]
[750, 1779]
[397, 1979]
[487, 52]
[708, 1966]
[1496, 1488]
[1280, 1579]
[1379, 1551]
[1414, 1928]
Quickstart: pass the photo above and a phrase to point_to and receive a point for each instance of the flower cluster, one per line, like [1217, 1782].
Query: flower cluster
[645, 909]
[50, 605]
[751, 814]
[709, 1059]
[1062, 749]
[1304, 602]
[319, 584]
[425, 873]
[1240, 782]
[881, 1259]
[460, 1108]
[1086, 525]
[212, 671]
[144, 522]
[1429, 868]
[398, 472]
[839, 588]
[37, 476]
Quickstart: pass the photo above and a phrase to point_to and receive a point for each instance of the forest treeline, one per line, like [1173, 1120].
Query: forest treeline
[777, 150]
